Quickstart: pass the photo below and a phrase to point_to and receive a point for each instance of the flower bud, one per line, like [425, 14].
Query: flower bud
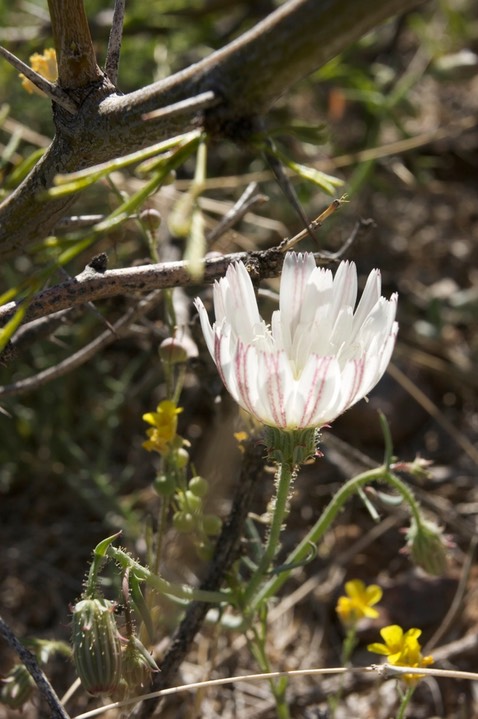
[151, 219]
[16, 687]
[180, 458]
[96, 645]
[138, 665]
[427, 546]
[212, 525]
[184, 522]
[198, 486]
[192, 502]
[175, 351]
[164, 485]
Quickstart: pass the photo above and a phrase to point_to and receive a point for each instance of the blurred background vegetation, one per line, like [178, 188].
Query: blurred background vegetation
[394, 117]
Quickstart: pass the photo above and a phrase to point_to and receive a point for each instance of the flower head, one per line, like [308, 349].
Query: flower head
[359, 602]
[45, 65]
[318, 357]
[164, 425]
[402, 649]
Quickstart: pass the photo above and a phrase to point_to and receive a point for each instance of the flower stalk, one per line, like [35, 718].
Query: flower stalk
[325, 520]
[284, 478]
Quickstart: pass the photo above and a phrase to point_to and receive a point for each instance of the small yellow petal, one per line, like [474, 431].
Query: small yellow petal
[378, 648]
[149, 417]
[354, 588]
[373, 593]
[392, 636]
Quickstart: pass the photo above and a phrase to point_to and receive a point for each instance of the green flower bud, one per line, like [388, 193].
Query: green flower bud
[212, 525]
[16, 687]
[180, 458]
[164, 485]
[427, 546]
[138, 665]
[96, 645]
[198, 486]
[192, 501]
[184, 522]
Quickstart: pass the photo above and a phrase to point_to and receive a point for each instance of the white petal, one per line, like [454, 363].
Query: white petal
[237, 299]
[369, 299]
[317, 391]
[345, 289]
[205, 325]
[296, 271]
[318, 358]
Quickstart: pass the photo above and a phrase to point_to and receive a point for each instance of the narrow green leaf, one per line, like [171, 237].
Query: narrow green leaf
[22, 170]
[9, 329]
[326, 182]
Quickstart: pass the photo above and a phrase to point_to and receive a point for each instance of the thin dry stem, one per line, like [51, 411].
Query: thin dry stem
[55, 93]
[114, 42]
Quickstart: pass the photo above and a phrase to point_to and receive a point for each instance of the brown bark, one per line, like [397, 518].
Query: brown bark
[76, 58]
[246, 77]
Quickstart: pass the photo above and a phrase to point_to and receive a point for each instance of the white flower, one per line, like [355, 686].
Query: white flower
[317, 358]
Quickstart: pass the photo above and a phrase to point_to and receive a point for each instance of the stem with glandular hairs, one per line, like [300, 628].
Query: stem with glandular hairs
[284, 477]
[323, 523]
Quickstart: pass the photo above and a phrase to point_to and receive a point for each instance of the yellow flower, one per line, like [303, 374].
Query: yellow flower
[359, 602]
[164, 426]
[44, 65]
[402, 649]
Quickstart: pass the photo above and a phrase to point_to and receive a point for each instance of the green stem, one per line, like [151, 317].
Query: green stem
[405, 702]
[325, 520]
[348, 646]
[163, 516]
[284, 476]
[256, 641]
[173, 590]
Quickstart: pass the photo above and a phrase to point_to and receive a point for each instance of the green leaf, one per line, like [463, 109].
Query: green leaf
[76, 181]
[312, 134]
[22, 170]
[327, 183]
[7, 332]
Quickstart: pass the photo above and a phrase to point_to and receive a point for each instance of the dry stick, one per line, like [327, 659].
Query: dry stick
[90, 285]
[114, 42]
[37, 330]
[249, 199]
[225, 554]
[75, 222]
[381, 670]
[83, 355]
[91, 305]
[56, 94]
[247, 75]
[203, 101]
[30, 662]
[286, 186]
